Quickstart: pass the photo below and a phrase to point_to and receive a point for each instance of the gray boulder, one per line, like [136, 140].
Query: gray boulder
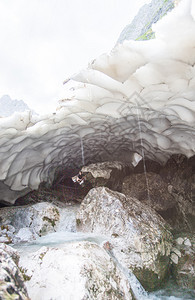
[77, 271]
[139, 236]
[109, 174]
[25, 223]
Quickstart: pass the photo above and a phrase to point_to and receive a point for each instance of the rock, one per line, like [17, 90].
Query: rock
[42, 194]
[6, 234]
[170, 190]
[13, 253]
[5, 239]
[187, 242]
[179, 172]
[25, 235]
[81, 270]
[33, 221]
[183, 268]
[109, 174]
[174, 258]
[140, 185]
[10, 228]
[11, 280]
[40, 219]
[176, 251]
[140, 239]
[179, 241]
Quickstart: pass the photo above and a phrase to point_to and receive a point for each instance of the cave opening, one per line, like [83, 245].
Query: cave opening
[69, 191]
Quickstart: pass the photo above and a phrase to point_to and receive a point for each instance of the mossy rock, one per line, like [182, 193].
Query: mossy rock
[149, 279]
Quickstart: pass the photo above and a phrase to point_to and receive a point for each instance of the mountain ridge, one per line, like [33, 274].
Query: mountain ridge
[8, 106]
[141, 26]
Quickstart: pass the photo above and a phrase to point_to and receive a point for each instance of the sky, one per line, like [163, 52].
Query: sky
[43, 42]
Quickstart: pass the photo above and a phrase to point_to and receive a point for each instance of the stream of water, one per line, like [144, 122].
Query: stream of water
[82, 152]
[143, 154]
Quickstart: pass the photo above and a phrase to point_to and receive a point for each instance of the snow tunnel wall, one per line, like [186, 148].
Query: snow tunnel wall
[140, 98]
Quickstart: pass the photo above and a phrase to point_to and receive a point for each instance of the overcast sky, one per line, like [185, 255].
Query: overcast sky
[43, 42]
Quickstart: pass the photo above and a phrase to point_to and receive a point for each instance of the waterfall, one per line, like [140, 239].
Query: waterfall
[137, 289]
[68, 219]
[143, 154]
[82, 152]
[139, 292]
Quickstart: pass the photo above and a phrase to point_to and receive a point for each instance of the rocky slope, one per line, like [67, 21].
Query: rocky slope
[168, 189]
[141, 26]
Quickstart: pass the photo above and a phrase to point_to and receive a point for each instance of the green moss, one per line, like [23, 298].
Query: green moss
[56, 211]
[42, 255]
[9, 239]
[51, 221]
[151, 280]
[146, 36]
[26, 277]
[78, 221]
[4, 227]
[115, 235]
[149, 34]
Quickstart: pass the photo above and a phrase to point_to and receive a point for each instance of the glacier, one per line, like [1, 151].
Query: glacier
[137, 100]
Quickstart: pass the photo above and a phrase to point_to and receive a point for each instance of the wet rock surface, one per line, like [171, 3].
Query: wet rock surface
[11, 280]
[179, 173]
[25, 223]
[150, 189]
[139, 236]
[81, 270]
[109, 174]
[169, 189]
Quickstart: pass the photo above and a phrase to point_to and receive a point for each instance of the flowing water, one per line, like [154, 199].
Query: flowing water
[82, 152]
[143, 154]
[136, 287]
[170, 292]
[66, 233]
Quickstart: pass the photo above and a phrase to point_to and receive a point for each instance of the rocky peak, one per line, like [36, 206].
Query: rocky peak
[141, 26]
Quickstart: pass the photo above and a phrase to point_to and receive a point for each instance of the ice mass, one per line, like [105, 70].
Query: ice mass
[136, 103]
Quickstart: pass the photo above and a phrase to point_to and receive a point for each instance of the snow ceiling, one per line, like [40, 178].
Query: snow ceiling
[140, 99]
